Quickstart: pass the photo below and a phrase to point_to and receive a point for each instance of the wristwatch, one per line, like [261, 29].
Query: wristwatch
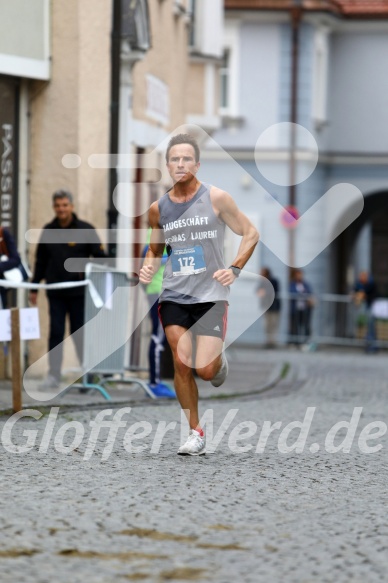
[236, 270]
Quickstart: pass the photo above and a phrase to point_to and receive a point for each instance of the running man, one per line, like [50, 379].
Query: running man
[190, 219]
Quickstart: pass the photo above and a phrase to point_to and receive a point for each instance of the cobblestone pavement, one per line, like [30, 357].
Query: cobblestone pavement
[229, 516]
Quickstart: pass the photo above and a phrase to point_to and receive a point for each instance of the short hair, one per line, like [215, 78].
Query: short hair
[62, 193]
[295, 271]
[266, 272]
[183, 139]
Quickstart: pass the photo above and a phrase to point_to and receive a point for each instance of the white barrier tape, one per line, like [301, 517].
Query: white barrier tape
[97, 300]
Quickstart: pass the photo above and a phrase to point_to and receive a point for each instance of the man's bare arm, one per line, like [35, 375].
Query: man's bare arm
[238, 222]
[154, 254]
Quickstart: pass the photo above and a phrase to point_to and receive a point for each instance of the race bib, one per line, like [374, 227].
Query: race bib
[188, 261]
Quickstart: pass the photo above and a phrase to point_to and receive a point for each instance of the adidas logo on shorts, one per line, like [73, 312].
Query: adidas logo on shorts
[217, 329]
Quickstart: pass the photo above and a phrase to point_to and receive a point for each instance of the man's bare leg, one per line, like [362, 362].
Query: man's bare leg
[207, 363]
[185, 386]
[208, 356]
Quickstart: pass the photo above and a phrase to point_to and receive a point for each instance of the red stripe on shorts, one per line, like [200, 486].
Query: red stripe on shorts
[225, 321]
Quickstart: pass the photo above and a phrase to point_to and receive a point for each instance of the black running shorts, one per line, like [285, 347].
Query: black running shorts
[209, 318]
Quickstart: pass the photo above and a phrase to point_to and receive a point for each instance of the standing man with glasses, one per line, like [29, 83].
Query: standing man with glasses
[191, 219]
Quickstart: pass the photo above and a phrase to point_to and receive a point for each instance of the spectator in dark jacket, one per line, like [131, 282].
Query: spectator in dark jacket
[9, 258]
[61, 242]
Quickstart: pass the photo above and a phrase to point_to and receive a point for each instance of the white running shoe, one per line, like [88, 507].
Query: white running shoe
[195, 444]
[220, 377]
[50, 382]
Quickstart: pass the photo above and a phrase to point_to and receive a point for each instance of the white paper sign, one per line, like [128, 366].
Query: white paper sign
[380, 309]
[29, 324]
[5, 325]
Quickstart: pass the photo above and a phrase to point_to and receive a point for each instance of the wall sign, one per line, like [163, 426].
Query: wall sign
[9, 100]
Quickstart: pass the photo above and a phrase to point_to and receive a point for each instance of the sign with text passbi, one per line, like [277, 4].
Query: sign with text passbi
[29, 324]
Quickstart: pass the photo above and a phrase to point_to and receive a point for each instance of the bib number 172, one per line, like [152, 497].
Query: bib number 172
[186, 262]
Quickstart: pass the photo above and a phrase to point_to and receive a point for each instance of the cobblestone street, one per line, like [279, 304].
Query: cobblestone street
[229, 516]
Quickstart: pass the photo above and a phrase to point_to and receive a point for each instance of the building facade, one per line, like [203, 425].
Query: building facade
[319, 64]
[116, 77]
[173, 84]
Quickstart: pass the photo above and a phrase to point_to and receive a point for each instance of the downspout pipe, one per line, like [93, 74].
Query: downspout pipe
[114, 121]
[296, 15]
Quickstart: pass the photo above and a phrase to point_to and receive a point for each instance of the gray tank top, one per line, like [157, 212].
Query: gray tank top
[196, 238]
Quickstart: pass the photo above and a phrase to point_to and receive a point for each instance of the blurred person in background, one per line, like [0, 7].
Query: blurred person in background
[272, 315]
[9, 259]
[364, 294]
[301, 306]
[158, 341]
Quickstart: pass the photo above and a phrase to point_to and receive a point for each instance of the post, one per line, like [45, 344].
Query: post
[296, 14]
[16, 368]
[114, 121]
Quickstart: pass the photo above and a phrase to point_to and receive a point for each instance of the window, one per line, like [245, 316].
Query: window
[179, 8]
[229, 72]
[191, 14]
[135, 24]
[141, 23]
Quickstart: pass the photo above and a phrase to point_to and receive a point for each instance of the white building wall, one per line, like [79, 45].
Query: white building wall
[358, 113]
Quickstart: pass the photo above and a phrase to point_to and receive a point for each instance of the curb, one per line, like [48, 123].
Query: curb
[280, 372]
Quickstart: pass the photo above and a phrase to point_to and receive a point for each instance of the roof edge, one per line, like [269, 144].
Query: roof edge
[349, 9]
